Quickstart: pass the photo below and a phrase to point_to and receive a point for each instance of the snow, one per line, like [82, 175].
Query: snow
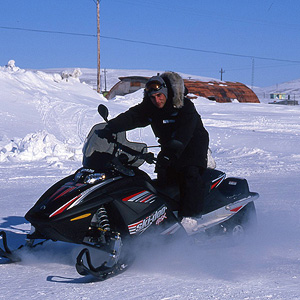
[44, 119]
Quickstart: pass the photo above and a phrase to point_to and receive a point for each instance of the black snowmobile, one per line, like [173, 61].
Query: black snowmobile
[109, 203]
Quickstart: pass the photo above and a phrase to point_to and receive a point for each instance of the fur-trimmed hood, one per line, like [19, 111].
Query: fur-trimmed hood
[176, 88]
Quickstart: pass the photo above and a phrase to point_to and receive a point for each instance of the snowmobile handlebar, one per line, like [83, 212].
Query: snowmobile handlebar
[148, 157]
[118, 165]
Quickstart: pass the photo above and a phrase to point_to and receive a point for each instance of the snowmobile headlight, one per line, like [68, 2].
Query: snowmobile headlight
[94, 178]
[79, 175]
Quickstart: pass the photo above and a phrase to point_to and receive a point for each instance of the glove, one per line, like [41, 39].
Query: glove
[105, 134]
[170, 152]
[149, 157]
[163, 160]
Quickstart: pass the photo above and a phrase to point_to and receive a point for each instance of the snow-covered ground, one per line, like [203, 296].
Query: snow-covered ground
[43, 123]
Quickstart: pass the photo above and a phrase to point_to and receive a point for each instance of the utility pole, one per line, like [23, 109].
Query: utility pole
[252, 79]
[98, 47]
[104, 71]
[222, 71]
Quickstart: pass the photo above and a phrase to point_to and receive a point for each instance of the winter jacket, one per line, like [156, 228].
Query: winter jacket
[177, 120]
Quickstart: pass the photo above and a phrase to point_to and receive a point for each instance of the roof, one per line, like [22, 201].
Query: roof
[134, 78]
[221, 91]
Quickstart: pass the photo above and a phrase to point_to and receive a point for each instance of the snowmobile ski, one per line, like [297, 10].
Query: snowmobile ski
[109, 268]
[10, 255]
[103, 272]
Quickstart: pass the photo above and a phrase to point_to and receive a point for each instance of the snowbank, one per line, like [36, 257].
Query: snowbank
[45, 115]
[36, 146]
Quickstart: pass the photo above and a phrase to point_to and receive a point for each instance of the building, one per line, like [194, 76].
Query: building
[127, 85]
[280, 98]
[219, 91]
[285, 102]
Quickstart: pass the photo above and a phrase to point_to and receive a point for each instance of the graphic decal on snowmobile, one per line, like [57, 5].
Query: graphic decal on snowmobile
[141, 197]
[64, 190]
[61, 209]
[216, 182]
[140, 226]
[237, 208]
[76, 200]
[81, 217]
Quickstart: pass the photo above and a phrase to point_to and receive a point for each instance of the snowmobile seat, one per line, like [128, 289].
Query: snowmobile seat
[234, 186]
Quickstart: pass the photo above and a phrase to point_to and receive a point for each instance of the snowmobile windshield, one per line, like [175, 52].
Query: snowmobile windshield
[98, 152]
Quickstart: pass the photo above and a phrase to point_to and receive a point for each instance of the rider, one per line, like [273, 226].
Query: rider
[182, 136]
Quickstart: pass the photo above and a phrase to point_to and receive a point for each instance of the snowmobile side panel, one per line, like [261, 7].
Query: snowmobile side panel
[224, 213]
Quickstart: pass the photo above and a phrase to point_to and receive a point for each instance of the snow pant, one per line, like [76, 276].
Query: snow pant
[191, 186]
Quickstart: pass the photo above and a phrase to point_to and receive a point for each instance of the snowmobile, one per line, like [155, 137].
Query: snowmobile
[110, 202]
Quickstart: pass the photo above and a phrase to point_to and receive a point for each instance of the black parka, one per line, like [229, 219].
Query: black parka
[169, 123]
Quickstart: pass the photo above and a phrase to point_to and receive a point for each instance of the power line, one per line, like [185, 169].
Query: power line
[153, 44]
[48, 31]
[213, 14]
[201, 50]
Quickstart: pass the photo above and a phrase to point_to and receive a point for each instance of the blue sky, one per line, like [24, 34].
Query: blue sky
[254, 41]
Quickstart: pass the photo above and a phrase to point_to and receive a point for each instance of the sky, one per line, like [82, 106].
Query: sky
[254, 42]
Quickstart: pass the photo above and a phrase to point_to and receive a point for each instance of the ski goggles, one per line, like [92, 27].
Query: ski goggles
[154, 87]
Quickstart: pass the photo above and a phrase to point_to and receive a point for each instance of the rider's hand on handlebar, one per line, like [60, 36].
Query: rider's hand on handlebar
[105, 134]
[149, 157]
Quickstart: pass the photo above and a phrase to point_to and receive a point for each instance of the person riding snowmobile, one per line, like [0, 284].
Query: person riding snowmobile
[182, 136]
